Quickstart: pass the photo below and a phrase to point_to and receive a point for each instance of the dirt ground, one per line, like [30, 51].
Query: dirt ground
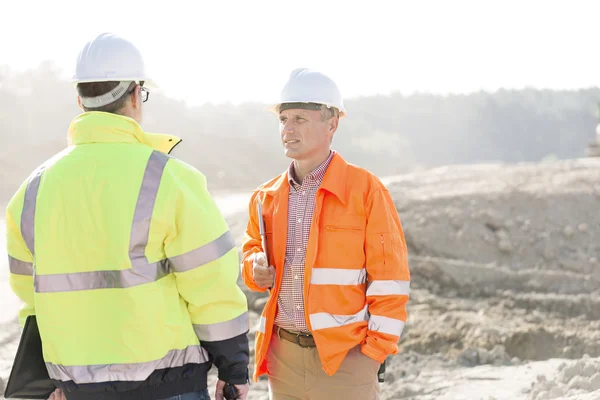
[505, 292]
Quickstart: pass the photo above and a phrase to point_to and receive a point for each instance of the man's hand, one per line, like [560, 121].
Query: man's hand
[263, 275]
[242, 391]
[57, 395]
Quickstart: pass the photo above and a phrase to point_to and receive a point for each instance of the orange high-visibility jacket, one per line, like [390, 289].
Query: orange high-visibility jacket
[356, 282]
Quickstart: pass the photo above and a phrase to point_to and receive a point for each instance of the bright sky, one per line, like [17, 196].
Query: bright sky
[238, 51]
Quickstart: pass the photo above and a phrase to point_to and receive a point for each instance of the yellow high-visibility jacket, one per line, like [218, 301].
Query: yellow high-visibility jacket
[129, 266]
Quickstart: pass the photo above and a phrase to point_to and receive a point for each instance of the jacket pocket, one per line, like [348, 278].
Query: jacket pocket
[337, 228]
[346, 223]
[342, 241]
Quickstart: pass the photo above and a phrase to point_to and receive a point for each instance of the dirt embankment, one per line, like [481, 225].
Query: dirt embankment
[505, 279]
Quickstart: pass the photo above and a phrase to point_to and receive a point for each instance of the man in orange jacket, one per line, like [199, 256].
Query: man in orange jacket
[337, 267]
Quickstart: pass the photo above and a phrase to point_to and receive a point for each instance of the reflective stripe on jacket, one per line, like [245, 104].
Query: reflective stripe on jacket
[356, 282]
[125, 259]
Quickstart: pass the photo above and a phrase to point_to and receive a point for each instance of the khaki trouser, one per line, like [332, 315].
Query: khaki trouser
[295, 373]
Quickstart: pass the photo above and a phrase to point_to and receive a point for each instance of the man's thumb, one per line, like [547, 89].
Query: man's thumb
[260, 259]
[271, 270]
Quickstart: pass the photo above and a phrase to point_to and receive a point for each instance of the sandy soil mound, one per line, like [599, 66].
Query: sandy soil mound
[575, 380]
[505, 293]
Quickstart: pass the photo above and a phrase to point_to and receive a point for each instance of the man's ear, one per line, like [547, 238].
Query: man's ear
[136, 100]
[79, 103]
[333, 124]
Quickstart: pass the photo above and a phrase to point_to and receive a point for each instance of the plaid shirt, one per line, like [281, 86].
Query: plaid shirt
[301, 207]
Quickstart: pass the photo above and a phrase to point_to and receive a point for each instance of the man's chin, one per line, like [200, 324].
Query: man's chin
[291, 153]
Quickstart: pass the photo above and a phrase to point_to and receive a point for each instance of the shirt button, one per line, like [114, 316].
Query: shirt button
[299, 249]
[299, 220]
[303, 192]
[296, 277]
[298, 307]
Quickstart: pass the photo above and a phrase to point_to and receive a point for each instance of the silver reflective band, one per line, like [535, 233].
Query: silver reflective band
[385, 288]
[135, 372]
[387, 325]
[338, 276]
[204, 254]
[222, 330]
[140, 229]
[101, 279]
[262, 324]
[18, 267]
[28, 213]
[107, 98]
[142, 270]
[325, 320]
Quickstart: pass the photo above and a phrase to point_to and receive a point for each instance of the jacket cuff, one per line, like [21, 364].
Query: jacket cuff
[373, 352]
[238, 378]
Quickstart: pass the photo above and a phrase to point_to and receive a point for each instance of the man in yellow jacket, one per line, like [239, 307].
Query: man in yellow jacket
[122, 255]
[335, 263]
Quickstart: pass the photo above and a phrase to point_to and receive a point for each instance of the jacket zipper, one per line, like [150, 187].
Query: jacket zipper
[383, 248]
[342, 228]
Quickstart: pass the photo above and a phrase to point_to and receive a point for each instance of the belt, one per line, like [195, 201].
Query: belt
[304, 340]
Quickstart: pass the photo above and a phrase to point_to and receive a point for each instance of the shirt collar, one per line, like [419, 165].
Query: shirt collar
[317, 174]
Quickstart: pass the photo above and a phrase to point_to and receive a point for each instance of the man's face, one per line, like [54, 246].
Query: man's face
[303, 134]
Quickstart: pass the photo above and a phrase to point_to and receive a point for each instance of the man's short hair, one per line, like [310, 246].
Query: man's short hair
[328, 112]
[93, 89]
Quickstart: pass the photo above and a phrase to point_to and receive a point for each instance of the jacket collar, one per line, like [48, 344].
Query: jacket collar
[102, 127]
[334, 180]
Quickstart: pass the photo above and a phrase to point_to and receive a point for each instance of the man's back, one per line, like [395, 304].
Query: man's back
[120, 280]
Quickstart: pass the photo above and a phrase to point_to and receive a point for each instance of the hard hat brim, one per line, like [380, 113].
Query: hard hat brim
[274, 107]
[149, 83]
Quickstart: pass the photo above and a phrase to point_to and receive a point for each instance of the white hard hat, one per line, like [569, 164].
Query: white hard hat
[307, 86]
[109, 57]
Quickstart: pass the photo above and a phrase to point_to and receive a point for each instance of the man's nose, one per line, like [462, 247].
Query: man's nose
[287, 127]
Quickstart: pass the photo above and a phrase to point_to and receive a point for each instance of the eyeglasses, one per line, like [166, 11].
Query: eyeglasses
[145, 93]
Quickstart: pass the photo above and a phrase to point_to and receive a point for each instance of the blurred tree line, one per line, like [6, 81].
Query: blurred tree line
[238, 147]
